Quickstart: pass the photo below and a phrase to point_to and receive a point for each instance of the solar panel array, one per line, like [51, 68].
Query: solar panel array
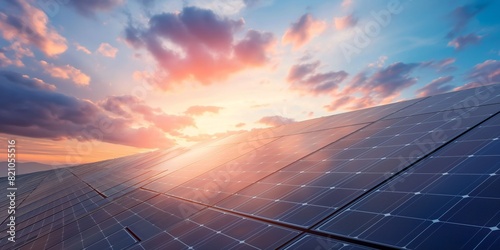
[417, 174]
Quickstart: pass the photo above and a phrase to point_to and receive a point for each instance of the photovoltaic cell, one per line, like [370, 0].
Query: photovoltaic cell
[231, 177]
[308, 190]
[310, 241]
[448, 200]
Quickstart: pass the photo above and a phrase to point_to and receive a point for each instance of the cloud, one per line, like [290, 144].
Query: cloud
[275, 121]
[90, 7]
[460, 42]
[131, 107]
[487, 72]
[82, 49]
[346, 3]
[240, 125]
[366, 89]
[221, 7]
[66, 72]
[345, 22]
[436, 86]
[197, 44]
[107, 50]
[304, 30]
[6, 61]
[23, 23]
[379, 63]
[305, 78]
[462, 15]
[444, 65]
[34, 109]
[13, 54]
[201, 110]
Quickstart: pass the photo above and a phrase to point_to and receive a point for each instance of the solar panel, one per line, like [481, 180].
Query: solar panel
[418, 174]
[313, 187]
[449, 200]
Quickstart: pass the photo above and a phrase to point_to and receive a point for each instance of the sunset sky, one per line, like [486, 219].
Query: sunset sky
[82, 81]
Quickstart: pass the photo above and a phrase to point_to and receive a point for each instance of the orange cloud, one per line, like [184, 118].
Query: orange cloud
[302, 31]
[201, 48]
[345, 22]
[275, 121]
[82, 49]
[66, 72]
[21, 22]
[200, 110]
[107, 50]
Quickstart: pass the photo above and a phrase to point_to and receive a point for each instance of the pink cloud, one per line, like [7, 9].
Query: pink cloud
[444, 65]
[200, 110]
[436, 86]
[303, 31]
[240, 125]
[131, 107]
[345, 22]
[485, 73]
[82, 49]
[201, 47]
[379, 87]
[66, 72]
[275, 120]
[346, 3]
[305, 78]
[48, 114]
[107, 50]
[462, 41]
[23, 23]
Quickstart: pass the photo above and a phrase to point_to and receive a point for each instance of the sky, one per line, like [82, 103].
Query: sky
[83, 81]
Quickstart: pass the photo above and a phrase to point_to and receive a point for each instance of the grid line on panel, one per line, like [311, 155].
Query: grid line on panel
[46, 233]
[397, 174]
[76, 220]
[306, 201]
[286, 225]
[20, 203]
[95, 190]
[325, 129]
[176, 171]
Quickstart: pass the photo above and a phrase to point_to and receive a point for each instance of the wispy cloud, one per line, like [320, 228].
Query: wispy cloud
[107, 50]
[302, 31]
[382, 86]
[436, 86]
[66, 72]
[201, 110]
[275, 120]
[461, 41]
[304, 77]
[342, 23]
[82, 49]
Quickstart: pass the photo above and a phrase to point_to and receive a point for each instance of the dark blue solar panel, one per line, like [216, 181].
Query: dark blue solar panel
[448, 200]
[310, 189]
[309, 241]
[231, 177]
